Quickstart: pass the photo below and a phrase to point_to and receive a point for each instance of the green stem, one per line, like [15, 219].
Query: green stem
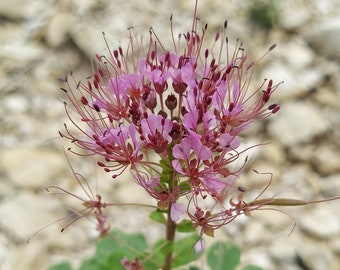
[170, 237]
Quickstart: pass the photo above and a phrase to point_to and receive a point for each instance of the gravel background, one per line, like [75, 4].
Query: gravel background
[41, 41]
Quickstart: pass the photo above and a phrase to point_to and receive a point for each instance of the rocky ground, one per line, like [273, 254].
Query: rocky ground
[41, 41]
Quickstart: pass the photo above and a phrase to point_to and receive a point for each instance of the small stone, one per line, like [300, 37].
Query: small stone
[316, 257]
[277, 221]
[24, 214]
[300, 182]
[29, 256]
[15, 103]
[300, 54]
[281, 72]
[16, 9]
[330, 186]
[325, 226]
[274, 153]
[21, 51]
[283, 249]
[309, 79]
[5, 251]
[58, 28]
[335, 245]
[293, 18]
[89, 39]
[38, 167]
[297, 122]
[326, 159]
[258, 257]
[254, 233]
[326, 37]
[326, 96]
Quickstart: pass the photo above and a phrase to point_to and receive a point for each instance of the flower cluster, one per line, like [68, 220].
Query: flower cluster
[173, 117]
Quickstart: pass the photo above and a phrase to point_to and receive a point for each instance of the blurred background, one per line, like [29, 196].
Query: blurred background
[41, 41]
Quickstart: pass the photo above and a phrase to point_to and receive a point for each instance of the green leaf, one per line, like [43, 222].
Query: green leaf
[185, 226]
[150, 261]
[162, 247]
[117, 245]
[159, 251]
[158, 216]
[223, 256]
[111, 249]
[184, 251]
[131, 245]
[61, 266]
[252, 267]
[114, 261]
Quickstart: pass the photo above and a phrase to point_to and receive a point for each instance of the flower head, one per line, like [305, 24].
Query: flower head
[183, 104]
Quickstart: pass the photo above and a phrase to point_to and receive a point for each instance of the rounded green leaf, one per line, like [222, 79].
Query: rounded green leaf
[185, 226]
[223, 256]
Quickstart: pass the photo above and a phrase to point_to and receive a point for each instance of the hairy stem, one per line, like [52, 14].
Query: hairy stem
[170, 237]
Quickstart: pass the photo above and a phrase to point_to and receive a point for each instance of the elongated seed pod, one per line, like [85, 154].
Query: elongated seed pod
[278, 202]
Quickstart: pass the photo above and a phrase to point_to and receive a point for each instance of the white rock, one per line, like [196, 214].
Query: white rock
[88, 38]
[335, 245]
[326, 36]
[309, 78]
[86, 5]
[330, 186]
[281, 72]
[325, 8]
[316, 257]
[299, 182]
[326, 159]
[255, 233]
[326, 96]
[297, 122]
[258, 257]
[15, 103]
[296, 53]
[5, 251]
[297, 80]
[276, 222]
[21, 51]
[58, 28]
[325, 226]
[16, 9]
[28, 256]
[283, 249]
[38, 167]
[274, 153]
[25, 214]
[293, 17]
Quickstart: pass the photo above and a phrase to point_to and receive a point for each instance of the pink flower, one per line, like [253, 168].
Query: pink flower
[229, 142]
[155, 132]
[215, 184]
[119, 147]
[173, 116]
[190, 149]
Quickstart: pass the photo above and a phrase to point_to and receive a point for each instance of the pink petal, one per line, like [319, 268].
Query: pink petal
[176, 211]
